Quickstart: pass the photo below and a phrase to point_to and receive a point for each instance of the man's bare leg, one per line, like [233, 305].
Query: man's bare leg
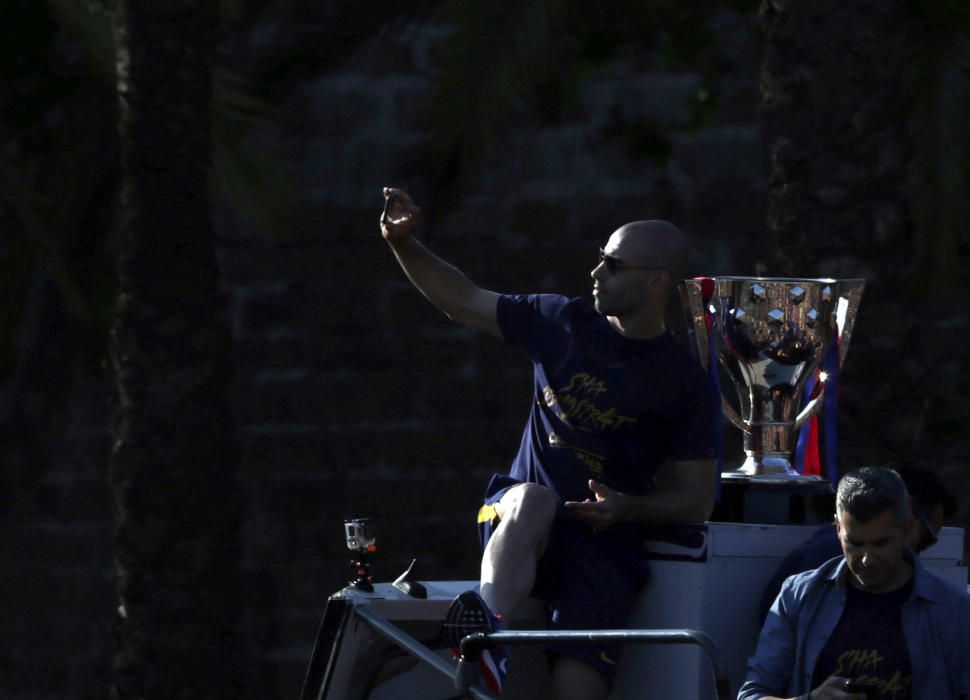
[526, 513]
[573, 679]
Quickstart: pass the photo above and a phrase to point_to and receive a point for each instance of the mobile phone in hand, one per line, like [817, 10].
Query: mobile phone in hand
[388, 203]
[870, 689]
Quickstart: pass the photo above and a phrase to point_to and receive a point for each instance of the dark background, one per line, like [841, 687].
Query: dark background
[790, 138]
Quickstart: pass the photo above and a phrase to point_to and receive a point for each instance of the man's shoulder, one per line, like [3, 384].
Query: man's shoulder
[551, 305]
[522, 317]
[805, 583]
[933, 587]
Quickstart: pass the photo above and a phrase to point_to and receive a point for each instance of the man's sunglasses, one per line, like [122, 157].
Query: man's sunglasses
[612, 264]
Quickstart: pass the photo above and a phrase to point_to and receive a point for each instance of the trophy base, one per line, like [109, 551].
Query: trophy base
[774, 499]
[770, 466]
[772, 477]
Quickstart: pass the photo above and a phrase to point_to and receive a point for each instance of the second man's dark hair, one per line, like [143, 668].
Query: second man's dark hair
[871, 491]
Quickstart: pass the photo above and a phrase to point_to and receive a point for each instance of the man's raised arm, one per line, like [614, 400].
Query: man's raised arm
[441, 283]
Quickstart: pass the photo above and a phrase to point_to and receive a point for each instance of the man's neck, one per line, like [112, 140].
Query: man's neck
[643, 328]
[903, 575]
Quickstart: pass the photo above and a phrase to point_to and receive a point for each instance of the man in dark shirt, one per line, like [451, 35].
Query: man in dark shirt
[620, 435]
[870, 624]
[932, 504]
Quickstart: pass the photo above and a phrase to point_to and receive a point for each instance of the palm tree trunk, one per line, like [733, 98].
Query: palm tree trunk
[834, 112]
[173, 466]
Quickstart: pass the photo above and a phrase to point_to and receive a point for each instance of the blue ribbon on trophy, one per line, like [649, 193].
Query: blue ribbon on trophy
[830, 410]
[807, 457]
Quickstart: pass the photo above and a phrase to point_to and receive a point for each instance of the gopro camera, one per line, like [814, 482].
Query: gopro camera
[359, 534]
[361, 542]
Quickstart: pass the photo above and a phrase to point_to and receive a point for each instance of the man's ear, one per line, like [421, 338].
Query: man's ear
[910, 521]
[908, 525]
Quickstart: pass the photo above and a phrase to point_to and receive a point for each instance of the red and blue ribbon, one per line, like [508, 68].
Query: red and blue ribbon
[807, 454]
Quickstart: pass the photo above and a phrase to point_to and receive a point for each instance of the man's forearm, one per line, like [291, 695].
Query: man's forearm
[685, 492]
[668, 507]
[445, 286]
[440, 282]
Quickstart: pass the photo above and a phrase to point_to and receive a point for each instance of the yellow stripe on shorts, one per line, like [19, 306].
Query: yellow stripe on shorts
[487, 514]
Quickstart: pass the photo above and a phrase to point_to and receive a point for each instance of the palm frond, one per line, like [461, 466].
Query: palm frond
[254, 180]
[499, 51]
[52, 193]
[26, 207]
[520, 56]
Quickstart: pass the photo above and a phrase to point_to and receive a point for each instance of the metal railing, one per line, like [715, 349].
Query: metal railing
[466, 674]
[422, 653]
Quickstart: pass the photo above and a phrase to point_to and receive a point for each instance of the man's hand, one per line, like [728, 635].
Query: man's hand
[609, 507]
[684, 493]
[833, 688]
[400, 215]
[442, 284]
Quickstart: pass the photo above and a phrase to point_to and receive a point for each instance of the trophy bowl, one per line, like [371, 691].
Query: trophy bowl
[770, 335]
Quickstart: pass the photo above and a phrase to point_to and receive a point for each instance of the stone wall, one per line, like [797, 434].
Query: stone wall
[354, 397]
[57, 577]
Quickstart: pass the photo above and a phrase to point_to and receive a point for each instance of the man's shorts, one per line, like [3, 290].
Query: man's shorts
[587, 579]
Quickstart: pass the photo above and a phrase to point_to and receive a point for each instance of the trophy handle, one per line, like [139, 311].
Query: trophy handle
[692, 302]
[846, 309]
[692, 305]
[811, 408]
[728, 410]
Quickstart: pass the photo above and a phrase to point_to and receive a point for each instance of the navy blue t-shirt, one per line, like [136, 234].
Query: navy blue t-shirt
[606, 407]
[868, 644]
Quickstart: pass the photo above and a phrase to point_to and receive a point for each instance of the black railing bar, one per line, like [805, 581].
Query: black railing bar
[415, 648]
[473, 644]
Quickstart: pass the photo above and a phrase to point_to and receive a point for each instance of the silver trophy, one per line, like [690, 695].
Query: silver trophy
[770, 335]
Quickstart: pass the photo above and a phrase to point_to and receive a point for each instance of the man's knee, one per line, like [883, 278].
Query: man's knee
[529, 505]
[573, 679]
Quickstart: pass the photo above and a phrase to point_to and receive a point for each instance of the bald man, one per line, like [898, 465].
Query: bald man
[620, 436]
